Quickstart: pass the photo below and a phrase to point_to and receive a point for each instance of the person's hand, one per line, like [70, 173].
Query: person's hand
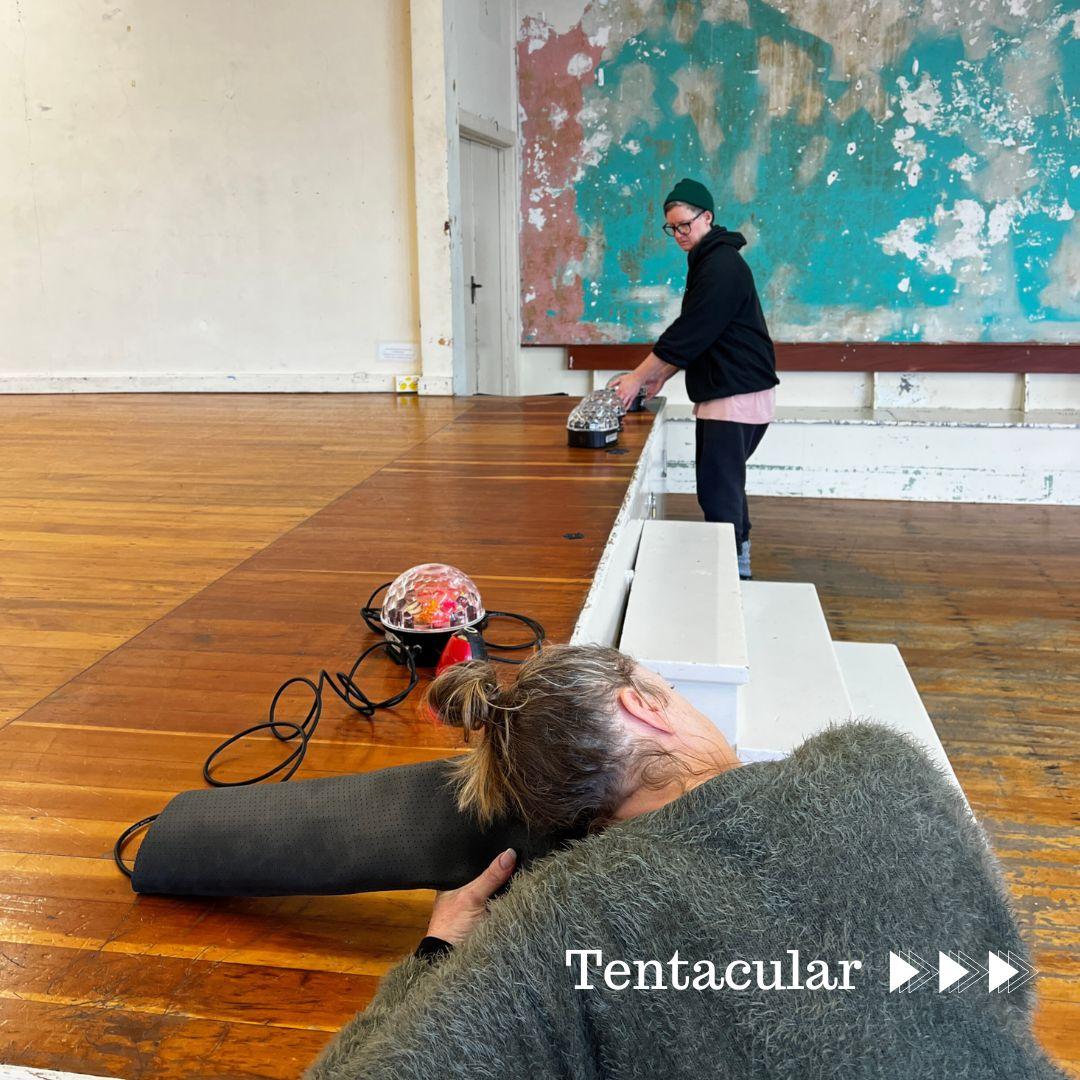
[458, 911]
[653, 387]
[628, 387]
[650, 375]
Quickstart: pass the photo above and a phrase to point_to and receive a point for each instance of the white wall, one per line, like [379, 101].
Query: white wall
[205, 195]
[484, 34]
[434, 150]
[924, 455]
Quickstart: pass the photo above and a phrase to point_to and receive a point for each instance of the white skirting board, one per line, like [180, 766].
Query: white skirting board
[291, 382]
[930, 455]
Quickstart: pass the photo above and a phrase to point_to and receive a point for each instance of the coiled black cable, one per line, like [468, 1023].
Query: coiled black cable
[535, 642]
[345, 687]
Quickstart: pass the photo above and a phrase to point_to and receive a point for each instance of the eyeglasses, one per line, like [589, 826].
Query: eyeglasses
[683, 227]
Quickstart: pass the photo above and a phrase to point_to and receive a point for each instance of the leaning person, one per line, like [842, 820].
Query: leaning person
[722, 343]
[721, 920]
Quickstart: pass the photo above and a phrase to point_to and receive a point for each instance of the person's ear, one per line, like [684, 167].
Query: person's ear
[643, 709]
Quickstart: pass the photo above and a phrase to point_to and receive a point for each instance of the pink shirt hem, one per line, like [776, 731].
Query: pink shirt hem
[756, 408]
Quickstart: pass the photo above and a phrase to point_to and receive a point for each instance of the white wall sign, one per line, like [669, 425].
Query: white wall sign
[400, 353]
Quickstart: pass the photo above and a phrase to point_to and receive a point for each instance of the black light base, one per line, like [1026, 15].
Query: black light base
[592, 440]
[427, 647]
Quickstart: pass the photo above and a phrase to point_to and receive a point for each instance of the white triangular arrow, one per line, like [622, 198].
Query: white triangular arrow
[1027, 972]
[1000, 972]
[900, 971]
[926, 972]
[975, 971]
[949, 972]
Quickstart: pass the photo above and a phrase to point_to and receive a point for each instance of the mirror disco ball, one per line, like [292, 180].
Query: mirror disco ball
[608, 394]
[430, 598]
[427, 605]
[595, 421]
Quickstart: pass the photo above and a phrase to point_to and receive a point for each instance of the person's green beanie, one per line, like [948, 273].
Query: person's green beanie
[693, 193]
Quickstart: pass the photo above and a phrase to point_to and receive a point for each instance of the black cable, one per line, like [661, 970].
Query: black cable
[535, 642]
[287, 730]
[123, 838]
[345, 687]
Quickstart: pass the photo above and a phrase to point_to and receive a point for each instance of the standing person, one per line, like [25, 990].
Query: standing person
[722, 343]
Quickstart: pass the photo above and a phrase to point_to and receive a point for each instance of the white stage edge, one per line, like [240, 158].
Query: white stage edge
[757, 657]
[927, 455]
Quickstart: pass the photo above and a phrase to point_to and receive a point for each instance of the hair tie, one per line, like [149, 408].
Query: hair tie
[496, 716]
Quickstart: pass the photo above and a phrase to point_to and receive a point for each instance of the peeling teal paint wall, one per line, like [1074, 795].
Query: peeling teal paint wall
[903, 172]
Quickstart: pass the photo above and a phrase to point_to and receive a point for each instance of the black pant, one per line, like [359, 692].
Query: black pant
[723, 449]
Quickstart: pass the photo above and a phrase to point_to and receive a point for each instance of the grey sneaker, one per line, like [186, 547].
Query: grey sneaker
[744, 561]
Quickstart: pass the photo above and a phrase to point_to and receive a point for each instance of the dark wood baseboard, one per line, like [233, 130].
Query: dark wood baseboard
[1032, 357]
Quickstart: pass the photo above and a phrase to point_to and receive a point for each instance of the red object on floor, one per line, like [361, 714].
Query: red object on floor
[467, 645]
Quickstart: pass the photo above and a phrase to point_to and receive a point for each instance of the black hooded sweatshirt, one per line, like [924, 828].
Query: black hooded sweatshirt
[720, 339]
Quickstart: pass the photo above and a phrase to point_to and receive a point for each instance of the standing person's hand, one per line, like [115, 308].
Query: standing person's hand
[628, 387]
[653, 387]
[650, 374]
[457, 911]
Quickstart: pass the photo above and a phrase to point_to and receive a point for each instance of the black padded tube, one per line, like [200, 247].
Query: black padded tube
[395, 828]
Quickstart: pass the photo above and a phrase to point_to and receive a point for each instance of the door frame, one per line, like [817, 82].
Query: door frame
[504, 140]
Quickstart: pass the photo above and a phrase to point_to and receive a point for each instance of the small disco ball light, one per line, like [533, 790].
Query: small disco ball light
[595, 421]
[426, 606]
[609, 394]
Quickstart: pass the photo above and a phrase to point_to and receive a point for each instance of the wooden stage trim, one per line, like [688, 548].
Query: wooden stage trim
[97, 980]
[1021, 357]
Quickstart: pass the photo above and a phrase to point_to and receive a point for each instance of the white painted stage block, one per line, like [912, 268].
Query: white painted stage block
[881, 690]
[796, 688]
[601, 614]
[937, 455]
[684, 616]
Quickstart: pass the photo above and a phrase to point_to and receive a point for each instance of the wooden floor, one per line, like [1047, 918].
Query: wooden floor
[152, 598]
[93, 980]
[114, 510]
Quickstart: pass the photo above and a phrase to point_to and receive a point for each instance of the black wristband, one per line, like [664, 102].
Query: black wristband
[432, 949]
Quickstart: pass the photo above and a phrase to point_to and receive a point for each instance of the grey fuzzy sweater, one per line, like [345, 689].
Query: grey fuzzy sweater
[854, 846]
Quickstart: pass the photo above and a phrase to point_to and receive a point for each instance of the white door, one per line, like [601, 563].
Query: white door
[481, 236]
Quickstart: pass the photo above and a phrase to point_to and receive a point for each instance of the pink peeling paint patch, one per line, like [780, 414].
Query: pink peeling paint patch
[552, 245]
